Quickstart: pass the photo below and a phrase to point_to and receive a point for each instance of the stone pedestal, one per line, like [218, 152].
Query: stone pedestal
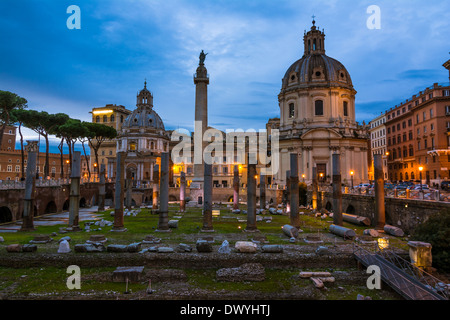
[74, 200]
[30, 185]
[420, 254]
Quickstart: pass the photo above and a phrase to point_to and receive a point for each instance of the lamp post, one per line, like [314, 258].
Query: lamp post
[351, 175]
[420, 170]
[303, 176]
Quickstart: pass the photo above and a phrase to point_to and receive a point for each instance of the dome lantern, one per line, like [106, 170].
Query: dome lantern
[314, 41]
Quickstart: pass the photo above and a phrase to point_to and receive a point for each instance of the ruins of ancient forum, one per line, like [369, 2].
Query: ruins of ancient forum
[314, 161]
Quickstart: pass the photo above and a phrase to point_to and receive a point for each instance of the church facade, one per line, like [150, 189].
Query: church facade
[143, 137]
[317, 117]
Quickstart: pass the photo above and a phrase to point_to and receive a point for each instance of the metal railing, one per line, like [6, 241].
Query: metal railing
[405, 278]
[425, 194]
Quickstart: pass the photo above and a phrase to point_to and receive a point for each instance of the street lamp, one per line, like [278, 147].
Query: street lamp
[351, 175]
[303, 176]
[420, 170]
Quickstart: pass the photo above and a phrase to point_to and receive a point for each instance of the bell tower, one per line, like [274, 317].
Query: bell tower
[144, 98]
[314, 40]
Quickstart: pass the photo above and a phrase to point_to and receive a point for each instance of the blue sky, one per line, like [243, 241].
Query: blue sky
[250, 45]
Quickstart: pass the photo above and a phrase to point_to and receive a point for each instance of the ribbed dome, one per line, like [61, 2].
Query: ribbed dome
[143, 117]
[316, 70]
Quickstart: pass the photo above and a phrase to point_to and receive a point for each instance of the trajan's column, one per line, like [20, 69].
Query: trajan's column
[201, 81]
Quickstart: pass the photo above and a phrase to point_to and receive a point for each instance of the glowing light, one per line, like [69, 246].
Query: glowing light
[102, 112]
[421, 169]
[352, 172]
[383, 243]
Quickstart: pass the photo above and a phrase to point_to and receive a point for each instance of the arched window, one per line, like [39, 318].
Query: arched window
[314, 45]
[318, 107]
[97, 119]
[112, 118]
[412, 176]
[411, 151]
[406, 176]
[121, 119]
[345, 109]
[105, 118]
[291, 110]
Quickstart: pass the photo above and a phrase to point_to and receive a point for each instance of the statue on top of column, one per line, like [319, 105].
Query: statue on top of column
[202, 57]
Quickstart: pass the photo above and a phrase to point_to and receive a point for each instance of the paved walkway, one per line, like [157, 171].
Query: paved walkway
[54, 219]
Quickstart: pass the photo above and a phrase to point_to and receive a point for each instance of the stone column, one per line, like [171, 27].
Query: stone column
[101, 189]
[201, 81]
[119, 192]
[30, 185]
[380, 213]
[262, 192]
[251, 198]
[337, 190]
[294, 200]
[163, 223]
[155, 187]
[74, 204]
[236, 188]
[315, 190]
[129, 186]
[207, 201]
[182, 191]
[288, 190]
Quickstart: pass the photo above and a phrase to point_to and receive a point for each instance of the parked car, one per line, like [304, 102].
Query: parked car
[363, 185]
[421, 187]
[445, 185]
[389, 186]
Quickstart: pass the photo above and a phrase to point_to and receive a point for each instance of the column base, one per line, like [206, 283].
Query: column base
[73, 228]
[163, 231]
[121, 229]
[251, 230]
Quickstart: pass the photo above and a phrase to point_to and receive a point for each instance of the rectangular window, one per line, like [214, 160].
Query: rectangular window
[424, 116]
[447, 110]
[291, 110]
[431, 113]
[9, 168]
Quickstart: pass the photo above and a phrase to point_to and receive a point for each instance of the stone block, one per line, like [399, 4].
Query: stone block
[29, 248]
[254, 272]
[134, 247]
[133, 274]
[246, 247]
[203, 246]
[272, 249]
[116, 248]
[14, 248]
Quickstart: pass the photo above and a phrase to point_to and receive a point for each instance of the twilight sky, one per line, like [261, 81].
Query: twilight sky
[250, 45]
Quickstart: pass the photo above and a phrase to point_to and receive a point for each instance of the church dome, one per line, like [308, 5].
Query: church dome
[315, 68]
[144, 116]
